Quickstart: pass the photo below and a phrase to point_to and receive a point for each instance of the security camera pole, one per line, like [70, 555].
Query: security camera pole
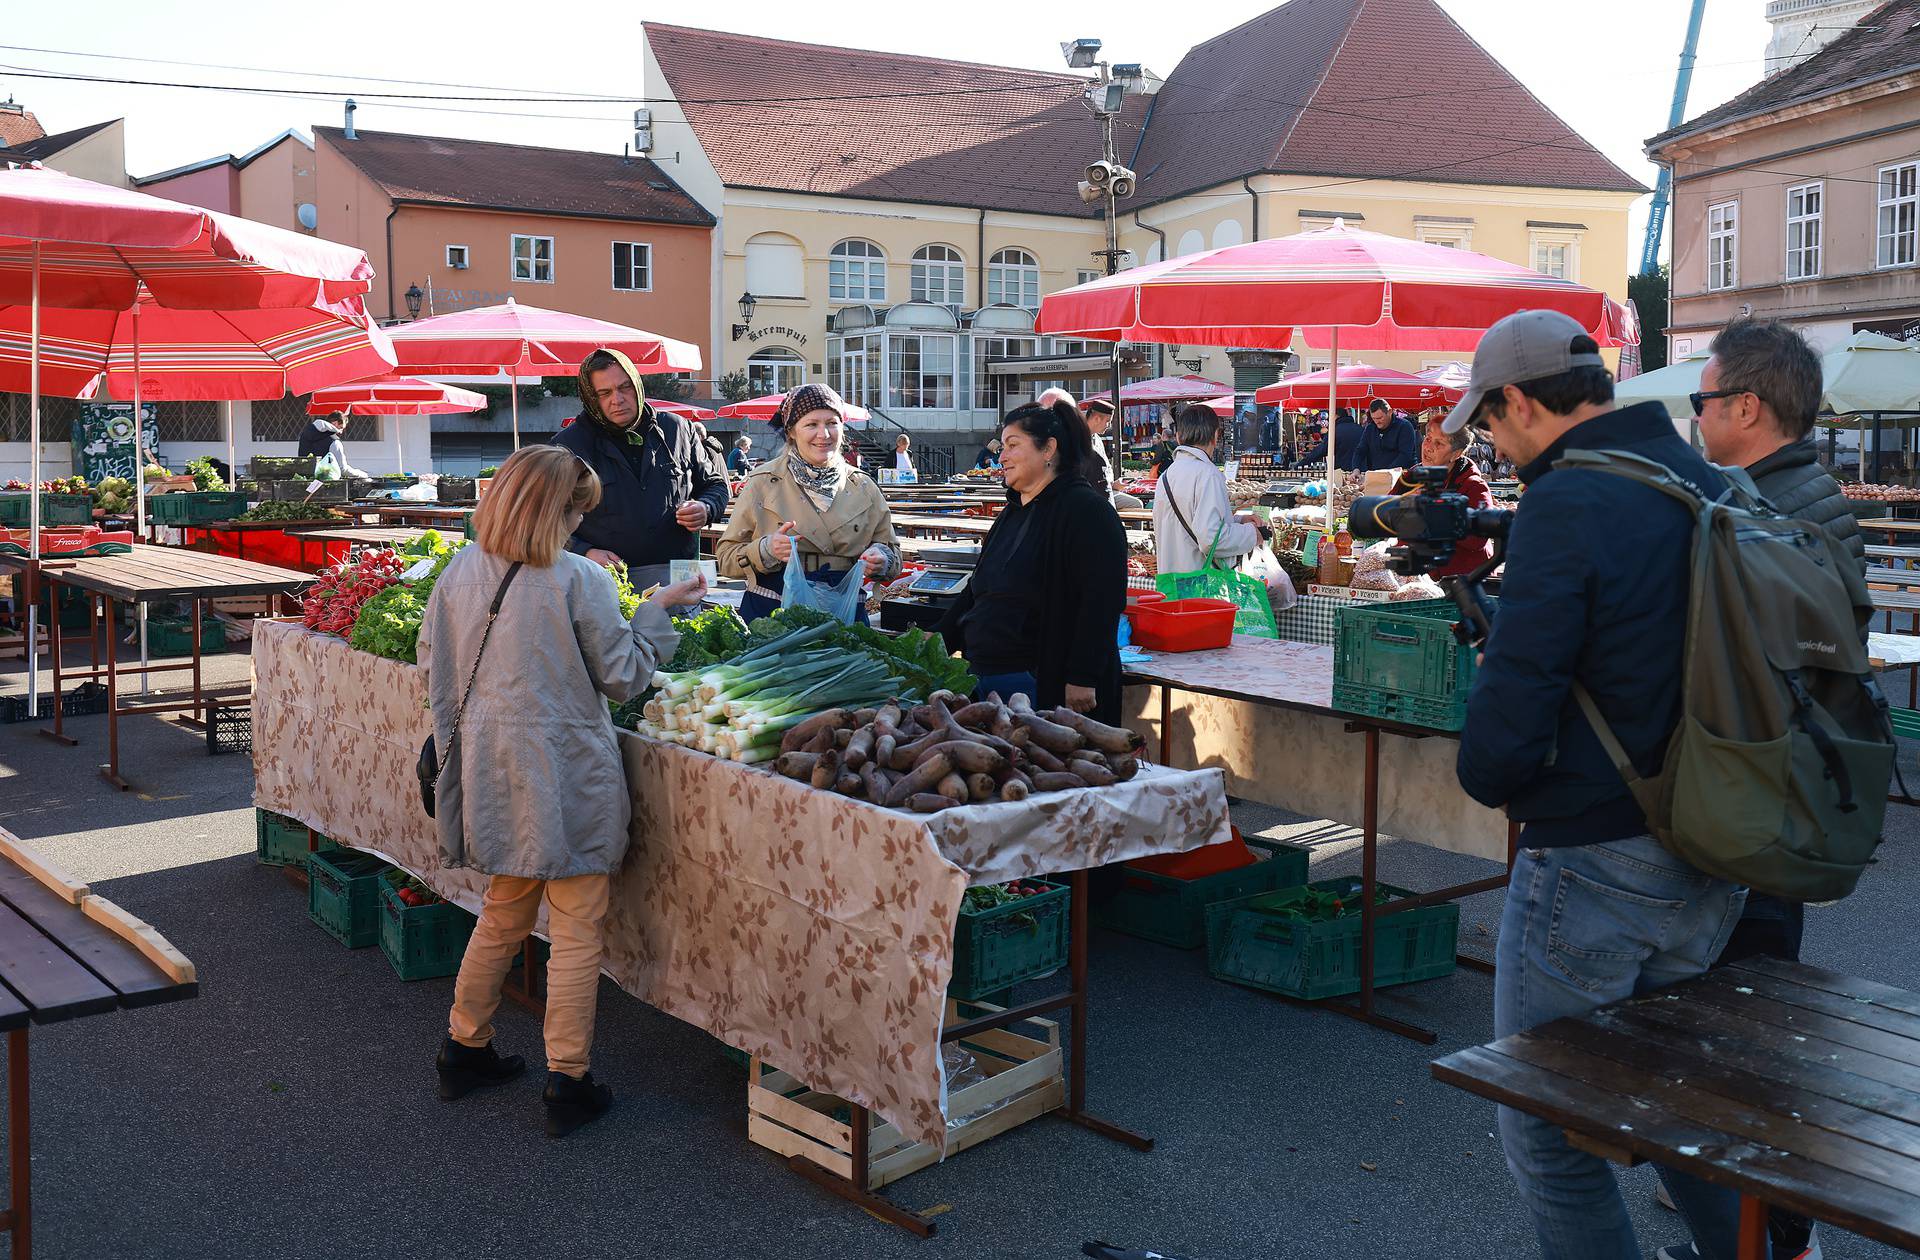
[1107, 181]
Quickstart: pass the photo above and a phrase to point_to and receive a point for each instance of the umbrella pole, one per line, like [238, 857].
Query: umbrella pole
[399, 452]
[513, 388]
[139, 501]
[1333, 428]
[33, 508]
[233, 475]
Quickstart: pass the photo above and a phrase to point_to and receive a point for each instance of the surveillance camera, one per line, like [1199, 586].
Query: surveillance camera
[1080, 53]
[1123, 183]
[1100, 174]
[1089, 192]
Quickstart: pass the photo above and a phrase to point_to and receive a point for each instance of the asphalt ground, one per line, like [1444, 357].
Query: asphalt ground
[289, 1110]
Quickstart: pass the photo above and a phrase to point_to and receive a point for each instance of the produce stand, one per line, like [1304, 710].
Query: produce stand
[147, 574]
[1261, 703]
[322, 537]
[264, 542]
[427, 515]
[804, 928]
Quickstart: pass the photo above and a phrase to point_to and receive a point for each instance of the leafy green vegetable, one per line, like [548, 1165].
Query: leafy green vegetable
[920, 657]
[389, 623]
[285, 510]
[623, 586]
[205, 476]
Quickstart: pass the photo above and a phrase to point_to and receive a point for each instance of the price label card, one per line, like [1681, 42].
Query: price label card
[1310, 550]
[687, 570]
[313, 487]
[420, 569]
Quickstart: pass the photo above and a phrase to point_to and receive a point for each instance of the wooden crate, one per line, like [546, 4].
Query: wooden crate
[13, 645]
[244, 605]
[1024, 1074]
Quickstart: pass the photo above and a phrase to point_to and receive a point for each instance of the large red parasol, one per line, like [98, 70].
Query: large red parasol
[395, 396]
[767, 406]
[1165, 389]
[1358, 383]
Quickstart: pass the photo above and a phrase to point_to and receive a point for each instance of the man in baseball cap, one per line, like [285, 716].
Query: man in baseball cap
[1595, 593]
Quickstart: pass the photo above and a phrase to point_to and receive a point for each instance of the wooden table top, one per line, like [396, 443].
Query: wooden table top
[58, 962]
[1889, 576]
[149, 573]
[242, 527]
[1789, 1083]
[428, 511]
[1884, 551]
[1890, 525]
[371, 535]
[1893, 601]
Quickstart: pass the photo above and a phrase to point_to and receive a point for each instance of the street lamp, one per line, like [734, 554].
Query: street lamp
[1106, 180]
[413, 296]
[747, 303]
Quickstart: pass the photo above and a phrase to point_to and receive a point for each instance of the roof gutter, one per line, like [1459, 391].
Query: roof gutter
[1246, 182]
[390, 213]
[1160, 351]
[980, 263]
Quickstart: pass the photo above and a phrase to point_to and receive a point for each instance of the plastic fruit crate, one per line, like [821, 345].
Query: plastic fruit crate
[421, 942]
[1174, 911]
[994, 949]
[265, 468]
[343, 895]
[55, 509]
[229, 729]
[1402, 662]
[1183, 625]
[168, 637]
[196, 507]
[296, 491]
[455, 490]
[1258, 942]
[282, 841]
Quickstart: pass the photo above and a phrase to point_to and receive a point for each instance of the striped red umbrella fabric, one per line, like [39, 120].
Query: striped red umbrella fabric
[686, 411]
[767, 405]
[1359, 383]
[395, 396]
[1165, 389]
[516, 340]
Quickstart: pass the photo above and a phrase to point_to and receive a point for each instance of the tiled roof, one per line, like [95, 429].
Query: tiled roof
[1882, 44]
[1385, 89]
[901, 127]
[46, 146]
[484, 175]
[17, 128]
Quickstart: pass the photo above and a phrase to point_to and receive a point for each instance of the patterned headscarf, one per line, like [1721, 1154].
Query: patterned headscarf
[808, 398]
[821, 482]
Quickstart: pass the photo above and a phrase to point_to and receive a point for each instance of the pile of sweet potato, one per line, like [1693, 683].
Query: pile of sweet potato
[936, 755]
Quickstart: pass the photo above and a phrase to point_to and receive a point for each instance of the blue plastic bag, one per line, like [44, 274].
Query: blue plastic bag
[838, 600]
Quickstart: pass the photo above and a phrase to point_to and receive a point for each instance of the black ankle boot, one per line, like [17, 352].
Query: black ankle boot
[464, 1069]
[572, 1103]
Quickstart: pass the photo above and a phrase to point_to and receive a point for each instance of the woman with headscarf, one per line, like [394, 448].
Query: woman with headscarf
[807, 497]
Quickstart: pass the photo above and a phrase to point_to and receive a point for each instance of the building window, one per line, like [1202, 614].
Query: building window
[1449, 235]
[1899, 209]
[279, 419]
[986, 388]
[1085, 276]
[938, 276]
[1013, 278]
[190, 422]
[856, 272]
[632, 266]
[457, 257]
[533, 259]
[775, 371]
[1550, 258]
[853, 367]
[774, 267]
[56, 418]
[1805, 206]
[1723, 245]
[920, 370]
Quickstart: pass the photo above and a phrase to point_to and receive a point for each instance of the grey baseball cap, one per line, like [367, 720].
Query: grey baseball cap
[1524, 346]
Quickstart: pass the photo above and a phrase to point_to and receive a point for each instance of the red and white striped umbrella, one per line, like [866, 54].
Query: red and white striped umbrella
[395, 396]
[767, 406]
[1165, 389]
[686, 411]
[1358, 383]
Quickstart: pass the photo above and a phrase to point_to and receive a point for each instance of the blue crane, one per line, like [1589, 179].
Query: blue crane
[1663, 187]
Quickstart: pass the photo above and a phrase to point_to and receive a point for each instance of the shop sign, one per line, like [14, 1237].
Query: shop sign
[778, 330]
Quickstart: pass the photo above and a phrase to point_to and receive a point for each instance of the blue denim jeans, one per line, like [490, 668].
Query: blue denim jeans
[1583, 927]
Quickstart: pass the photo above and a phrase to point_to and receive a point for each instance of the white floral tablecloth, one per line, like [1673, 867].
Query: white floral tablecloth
[810, 929]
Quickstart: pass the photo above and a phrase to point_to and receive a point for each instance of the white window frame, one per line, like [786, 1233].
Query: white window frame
[1542, 239]
[1086, 275]
[637, 249]
[843, 265]
[466, 257]
[1806, 254]
[948, 345]
[532, 260]
[1723, 246]
[1451, 235]
[942, 280]
[781, 369]
[1024, 278]
[1890, 234]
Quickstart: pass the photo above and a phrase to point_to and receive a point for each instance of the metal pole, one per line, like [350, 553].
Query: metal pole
[1333, 428]
[233, 470]
[399, 451]
[513, 388]
[139, 500]
[1113, 260]
[33, 507]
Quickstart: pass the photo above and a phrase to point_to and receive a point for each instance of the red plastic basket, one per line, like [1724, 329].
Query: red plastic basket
[1183, 625]
[1229, 855]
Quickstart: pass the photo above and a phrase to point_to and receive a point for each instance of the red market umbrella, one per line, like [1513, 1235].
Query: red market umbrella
[767, 405]
[395, 396]
[514, 340]
[1453, 376]
[1165, 389]
[1358, 383]
[1222, 407]
[684, 410]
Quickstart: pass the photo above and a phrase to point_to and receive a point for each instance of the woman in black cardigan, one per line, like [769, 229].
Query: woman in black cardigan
[1042, 612]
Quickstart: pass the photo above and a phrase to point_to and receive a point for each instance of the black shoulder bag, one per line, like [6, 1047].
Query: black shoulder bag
[430, 765]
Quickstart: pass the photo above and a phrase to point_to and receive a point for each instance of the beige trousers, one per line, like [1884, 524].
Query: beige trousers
[575, 908]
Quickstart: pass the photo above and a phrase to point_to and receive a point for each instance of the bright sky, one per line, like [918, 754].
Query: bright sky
[1607, 70]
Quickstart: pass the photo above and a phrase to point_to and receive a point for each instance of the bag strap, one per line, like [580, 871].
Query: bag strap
[1182, 518]
[513, 571]
[1643, 794]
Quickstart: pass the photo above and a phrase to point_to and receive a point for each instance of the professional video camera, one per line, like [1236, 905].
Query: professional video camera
[1429, 521]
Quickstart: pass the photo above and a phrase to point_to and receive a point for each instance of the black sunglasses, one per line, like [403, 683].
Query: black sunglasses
[1701, 398]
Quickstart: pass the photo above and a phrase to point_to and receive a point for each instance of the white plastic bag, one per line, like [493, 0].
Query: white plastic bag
[1263, 566]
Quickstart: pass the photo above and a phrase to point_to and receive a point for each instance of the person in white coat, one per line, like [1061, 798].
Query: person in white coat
[1191, 512]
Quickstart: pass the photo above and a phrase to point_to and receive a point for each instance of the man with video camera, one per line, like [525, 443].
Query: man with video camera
[1595, 593]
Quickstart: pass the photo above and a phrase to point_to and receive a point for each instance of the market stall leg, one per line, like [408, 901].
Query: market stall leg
[58, 734]
[111, 771]
[1077, 1051]
[18, 1218]
[855, 1189]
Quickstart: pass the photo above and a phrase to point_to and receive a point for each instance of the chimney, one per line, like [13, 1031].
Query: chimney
[351, 106]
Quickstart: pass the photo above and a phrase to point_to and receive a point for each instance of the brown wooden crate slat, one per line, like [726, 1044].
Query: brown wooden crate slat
[47, 978]
[122, 968]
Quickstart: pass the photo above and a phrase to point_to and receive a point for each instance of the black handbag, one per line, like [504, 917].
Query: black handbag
[430, 765]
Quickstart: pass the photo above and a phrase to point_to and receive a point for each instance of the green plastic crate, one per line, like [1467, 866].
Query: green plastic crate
[343, 895]
[281, 467]
[995, 949]
[1174, 911]
[1402, 662]
[16, 509]
[196, 507]
[282, 841]
[296, 491]
[1255, 942]
[421, 942]
[169, 637]
[456, 490]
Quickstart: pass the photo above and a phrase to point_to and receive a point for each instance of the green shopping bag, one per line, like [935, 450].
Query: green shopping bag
[1249, 596]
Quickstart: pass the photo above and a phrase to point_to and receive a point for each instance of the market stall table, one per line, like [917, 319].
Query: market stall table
[1880, 551]
[352, 535]
[1421, 796]
[1790, 1084]
[144, 575]
[799, 926]
[1886, 575]
[1889, 526]
[65, 953]
[234, 538]
[430, 515]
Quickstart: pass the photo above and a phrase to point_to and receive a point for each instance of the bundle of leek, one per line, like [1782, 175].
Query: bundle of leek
[739, 710]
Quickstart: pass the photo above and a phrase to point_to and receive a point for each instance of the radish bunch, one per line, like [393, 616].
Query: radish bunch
[333, 602]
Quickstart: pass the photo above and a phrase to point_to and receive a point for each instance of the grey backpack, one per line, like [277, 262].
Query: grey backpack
[1776, 775]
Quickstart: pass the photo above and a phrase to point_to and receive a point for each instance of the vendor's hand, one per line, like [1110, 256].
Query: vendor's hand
[680, 594]
[1080, 699]
[691, 515]
[875, 560]
[605, 559]
[782, 543]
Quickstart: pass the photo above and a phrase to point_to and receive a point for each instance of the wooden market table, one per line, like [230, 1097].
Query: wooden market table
[65, 953]
[355, 535]
[1790, 1084]
[1881, 551]
[429, 515]
[142, 576]
[1298, 677]
[1892, 527]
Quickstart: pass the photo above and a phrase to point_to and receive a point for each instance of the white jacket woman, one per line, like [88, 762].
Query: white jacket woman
[1191, 511]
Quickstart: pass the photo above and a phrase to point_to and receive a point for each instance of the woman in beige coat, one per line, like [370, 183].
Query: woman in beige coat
[808, 497]
[533, 790]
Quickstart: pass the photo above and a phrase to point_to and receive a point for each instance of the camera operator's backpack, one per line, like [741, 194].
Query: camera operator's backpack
[1776, 775]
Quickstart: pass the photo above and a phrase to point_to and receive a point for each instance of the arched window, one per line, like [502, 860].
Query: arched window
[856, 272]
[1013, 277]
[1191, 242]
[1227, 232]
[774, 266]
[938, 276]
[775, 370]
